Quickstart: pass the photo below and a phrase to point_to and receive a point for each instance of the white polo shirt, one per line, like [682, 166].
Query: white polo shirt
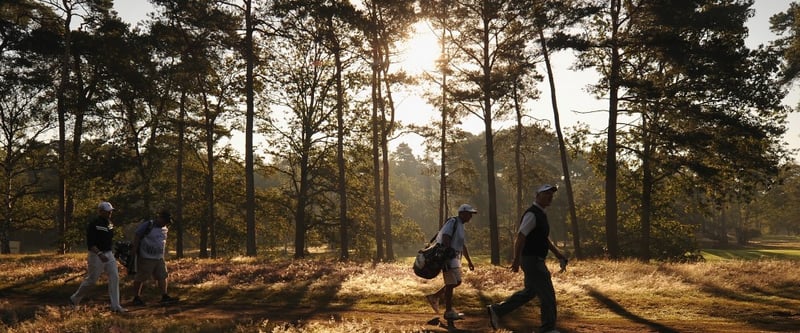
[457, 239]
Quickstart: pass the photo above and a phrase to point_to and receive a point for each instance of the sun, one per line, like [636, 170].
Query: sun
[420, 52]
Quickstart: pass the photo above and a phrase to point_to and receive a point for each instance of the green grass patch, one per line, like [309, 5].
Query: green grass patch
[750, 254]
[774, 247]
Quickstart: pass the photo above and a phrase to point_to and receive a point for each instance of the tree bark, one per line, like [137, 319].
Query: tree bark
[249, 160]
[612, 241]
[562, 148]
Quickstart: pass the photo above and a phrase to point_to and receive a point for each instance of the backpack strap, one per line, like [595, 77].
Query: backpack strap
[148, 229]
[454, 230]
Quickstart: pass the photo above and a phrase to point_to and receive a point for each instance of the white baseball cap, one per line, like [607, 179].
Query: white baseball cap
[105, 206]
[467, 208]
[547, 187]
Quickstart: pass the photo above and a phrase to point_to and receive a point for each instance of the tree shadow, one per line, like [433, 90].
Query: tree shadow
[782, 298]
[59, 271]
[621, 311]
[308, 290]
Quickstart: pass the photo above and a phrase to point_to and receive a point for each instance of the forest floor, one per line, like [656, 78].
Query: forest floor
[756, 294]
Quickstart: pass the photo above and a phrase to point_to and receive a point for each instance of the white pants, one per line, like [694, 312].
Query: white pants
[96, 267]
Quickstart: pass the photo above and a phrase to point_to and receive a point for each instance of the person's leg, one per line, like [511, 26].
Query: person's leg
[94, 267]
[146, 269]
[435, 299]
[162, 285]
[448, 298]
[547, 296]
[452, 280]
[439, 293]
[160, 274]
[523, 296]
[137, 289]
[110, 268]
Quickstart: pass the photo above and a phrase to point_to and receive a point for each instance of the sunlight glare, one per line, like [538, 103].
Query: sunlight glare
[419, 53]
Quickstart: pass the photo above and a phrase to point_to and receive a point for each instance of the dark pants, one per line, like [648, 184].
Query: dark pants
[537, 284]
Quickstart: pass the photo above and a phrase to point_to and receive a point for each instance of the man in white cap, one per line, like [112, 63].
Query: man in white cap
[453, 235]
[99, 240]
[530, 251]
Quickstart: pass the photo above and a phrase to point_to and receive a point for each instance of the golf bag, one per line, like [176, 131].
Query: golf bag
[122, 251]
[431, 260]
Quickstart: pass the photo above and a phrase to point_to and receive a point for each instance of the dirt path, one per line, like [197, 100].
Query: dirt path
[476, 320]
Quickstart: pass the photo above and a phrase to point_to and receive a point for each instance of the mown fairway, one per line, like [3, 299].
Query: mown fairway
[250, 295]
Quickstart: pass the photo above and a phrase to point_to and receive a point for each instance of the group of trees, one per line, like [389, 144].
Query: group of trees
[95, 109]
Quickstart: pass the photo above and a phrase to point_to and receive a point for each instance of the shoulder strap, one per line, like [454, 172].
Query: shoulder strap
[147, 229]
[437, 233]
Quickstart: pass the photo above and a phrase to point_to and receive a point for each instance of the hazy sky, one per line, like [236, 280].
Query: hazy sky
[575, 104]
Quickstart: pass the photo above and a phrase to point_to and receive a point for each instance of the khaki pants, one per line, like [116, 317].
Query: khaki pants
[95, 268]
[150, 268]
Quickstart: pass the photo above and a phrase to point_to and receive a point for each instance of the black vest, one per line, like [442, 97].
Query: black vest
[536, 243]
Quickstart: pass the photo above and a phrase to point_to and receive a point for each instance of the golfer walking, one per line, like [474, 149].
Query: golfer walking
[99, 238]
[453, 235]
[530, 251]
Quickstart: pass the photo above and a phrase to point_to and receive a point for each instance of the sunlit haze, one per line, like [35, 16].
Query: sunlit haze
[420, 52]
[575, 103]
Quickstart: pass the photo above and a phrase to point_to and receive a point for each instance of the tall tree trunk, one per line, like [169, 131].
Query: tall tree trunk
[387, 202]
[302, 200]
[388, 130]
[443, 168]
[490, 168]
[443, 138]
[562, 148]
[179, 176]
[519, 203]
[8, 175]
[61, 106]
[611, 153]
[344, 220]
[376, 165]
[209, 187]
[206, 222]
[250, 192]
[647, 193]
[77, 134]
[341, 163]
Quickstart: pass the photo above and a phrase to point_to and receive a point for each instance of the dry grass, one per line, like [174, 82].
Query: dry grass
[260, 295]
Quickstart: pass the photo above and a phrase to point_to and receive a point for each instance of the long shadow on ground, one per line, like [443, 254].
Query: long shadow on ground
[781, 299]
[621, 311]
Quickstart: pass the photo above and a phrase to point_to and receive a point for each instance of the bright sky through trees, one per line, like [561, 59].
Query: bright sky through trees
[576, 105]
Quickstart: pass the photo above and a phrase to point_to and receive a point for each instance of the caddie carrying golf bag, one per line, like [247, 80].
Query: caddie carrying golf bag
[431, 260]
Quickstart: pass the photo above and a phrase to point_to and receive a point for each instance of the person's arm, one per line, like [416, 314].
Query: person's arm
[525, 227]
[447, 239]
[137, 240]
[469, 260]
[91, 239]
[519, 244]
[555, 250]
[562, 259]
